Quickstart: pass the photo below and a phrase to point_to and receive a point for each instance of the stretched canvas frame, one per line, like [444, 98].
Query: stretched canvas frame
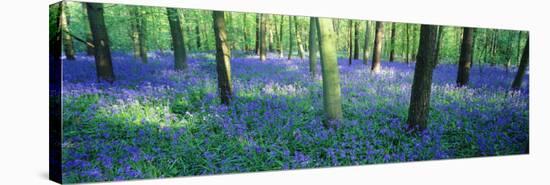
[155, 119]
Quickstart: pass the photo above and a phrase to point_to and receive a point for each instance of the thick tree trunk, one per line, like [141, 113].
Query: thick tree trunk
[298, 32]
[180, 55]
[290, 37]
[313, 46]
[524, 63]
[392, 43]
[422, 80]
[263, 37]
[439, 42]
[104, 66]
[356, 37]
[465, 61]
[67, 39]
[367, 40]
[379, 36]
[331, 78]
[223, 56]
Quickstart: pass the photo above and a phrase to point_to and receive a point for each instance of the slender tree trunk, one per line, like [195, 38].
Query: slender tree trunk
[407, 53]
[350, 42]
[269, 29]
[198, 38]
[313, 48]
[262, 37]
[281, 45]
[104, 66]
[422, 81]
[257, 50]
[392, 43]
[519, 48]
[356, 48]
[367, 40]
[245, 33]
[516, 85]
[180, 55]
[290, 40]
[439, 42]
[223, 58]
[331, 78]
[89, 48]
[377, 47]
[67, 39]
[465, 60]
[297, 30]
[138, 34]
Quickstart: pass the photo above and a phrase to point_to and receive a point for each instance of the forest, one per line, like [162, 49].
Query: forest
[151, 92]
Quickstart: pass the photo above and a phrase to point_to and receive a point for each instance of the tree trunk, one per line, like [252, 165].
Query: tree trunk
[331, 78]
[524, 63]
[245, 34]
[138, 34]
[392, 43]
[465, 60]
[297, 30]
[519, 48]
[422, 80]
[377, 47]
[180, 55]
[439, 41]
[104, 66]
[356, 48]
[89, 48]
[198, 37]
[67, 39]
[262, 37]
[290, 37]
[257, 47]
[313, 48]
[281, 44]
[223, 57]
[350, 42]
[407, 53]
[367, 40]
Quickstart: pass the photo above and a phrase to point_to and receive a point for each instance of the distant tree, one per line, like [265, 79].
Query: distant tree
[67, 39]
[262, 37]
[422, 81]
[198, 35]
[379, 36]
[356, 37]
[350, 42]
[102, 52]
[223, 58]
[407, 52]
[180, 53]
[245, 33]
[313, 46]
[439, 43]
[89, 47]
[290, 37]
[392, 43]
[524, 63]
[465, 60]
[367, 40]
[331, 77]
[257, 45]
[281, 44]
[297, 31]
[139, 26]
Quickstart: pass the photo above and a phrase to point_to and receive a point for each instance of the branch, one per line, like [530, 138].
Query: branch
[79, 39]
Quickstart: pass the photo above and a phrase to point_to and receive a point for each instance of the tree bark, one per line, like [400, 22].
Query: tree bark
[422, 81]
[313, 48]
[281, 44]
[257, 45]
[262, 37]
[180, 53]
[367, 40]
[392, 43]
[350, 42]
[297, 30]
[407, 52]
[223, 58]
[439, 41]
[104, 66]
[524, 63]
[465, 60]
[67, 39]
[356, 37]
[290, 40]
[377, 47]
[331, 78]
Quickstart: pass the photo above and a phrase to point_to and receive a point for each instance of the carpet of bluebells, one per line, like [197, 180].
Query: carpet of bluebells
[156, 122]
